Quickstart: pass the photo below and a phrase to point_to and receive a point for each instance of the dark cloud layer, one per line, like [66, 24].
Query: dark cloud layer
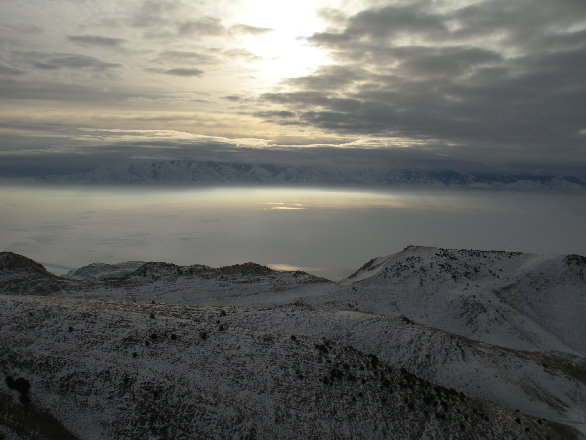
[506, 74]
[7, 70]
[43, 162]
[202, 26]
[45, 91]
[184, 72]
[177, 56]
[71, 61]
[96, 40]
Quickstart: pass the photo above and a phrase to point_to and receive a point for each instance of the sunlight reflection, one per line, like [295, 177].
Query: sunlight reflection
[293, 268]
[310, 227]
[58, 200]
[283, 206]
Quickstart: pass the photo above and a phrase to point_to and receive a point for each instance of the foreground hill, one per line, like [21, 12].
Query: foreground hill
[108, 373]
[540, 383]
[247, 283]
[275, 354]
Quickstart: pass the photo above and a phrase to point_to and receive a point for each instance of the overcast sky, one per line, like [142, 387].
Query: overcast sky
[496, 82]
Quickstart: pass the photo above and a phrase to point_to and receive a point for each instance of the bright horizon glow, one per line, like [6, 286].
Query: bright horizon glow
[338, 231]
[57, 199]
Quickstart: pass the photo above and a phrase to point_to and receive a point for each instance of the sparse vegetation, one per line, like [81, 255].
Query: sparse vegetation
[22, 386]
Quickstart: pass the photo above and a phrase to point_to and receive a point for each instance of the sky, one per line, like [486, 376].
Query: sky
[493, 83]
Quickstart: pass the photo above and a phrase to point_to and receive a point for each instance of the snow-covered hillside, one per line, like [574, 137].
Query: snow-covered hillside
[397, 350]
[108, 373]
[511, 299]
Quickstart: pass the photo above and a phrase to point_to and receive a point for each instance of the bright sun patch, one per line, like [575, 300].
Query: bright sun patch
[284, 52]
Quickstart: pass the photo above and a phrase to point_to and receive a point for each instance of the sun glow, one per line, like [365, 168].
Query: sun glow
[284, 52]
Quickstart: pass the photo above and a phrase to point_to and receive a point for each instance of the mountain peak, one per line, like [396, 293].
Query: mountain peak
[248, 268]
[12, 262]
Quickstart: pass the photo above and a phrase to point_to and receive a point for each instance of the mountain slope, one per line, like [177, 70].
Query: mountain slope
[129, 317]
[19, 274]
[110, 374]
[511, 299]
[544, 384]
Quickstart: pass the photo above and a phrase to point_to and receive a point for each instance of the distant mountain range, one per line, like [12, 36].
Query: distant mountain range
[427, 343]
[214, 172]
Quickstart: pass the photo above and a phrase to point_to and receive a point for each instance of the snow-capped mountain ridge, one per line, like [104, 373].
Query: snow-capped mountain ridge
[216, 172]
[139, 271]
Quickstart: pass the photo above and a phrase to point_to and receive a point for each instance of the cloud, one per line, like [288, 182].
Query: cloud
[153, 13]
[280, 114]
[523, 22]
[95, 40]
[62, 156]
[504, 75]
[330, 78]
[175, 20]
[445, 61]
[179, 71]
[298, 99]
[202, 26]
[72, 61]
[392, 21]
[491, 79]
[271, 115]
[241, 53]
[383, 25]
[252, 30]
[7, 70]
[64, 92]
[187, 56]
[184, 72]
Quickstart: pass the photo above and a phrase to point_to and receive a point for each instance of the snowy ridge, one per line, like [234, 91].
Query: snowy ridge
[541, 383]
[398, 350]
[19, 274]
[102, 271]
[505, 298]
[215, 172]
